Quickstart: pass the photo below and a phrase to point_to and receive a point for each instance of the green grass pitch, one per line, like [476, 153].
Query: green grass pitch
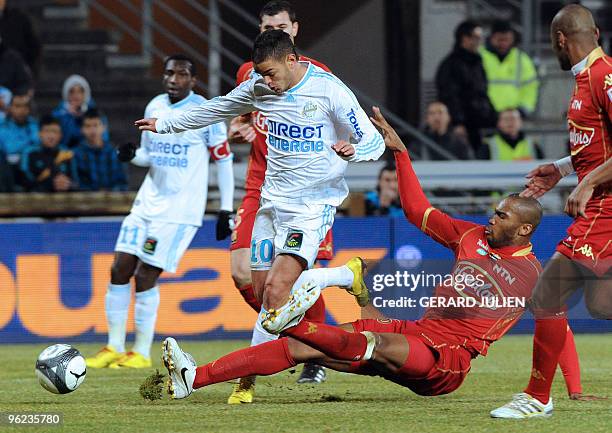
[108, 400]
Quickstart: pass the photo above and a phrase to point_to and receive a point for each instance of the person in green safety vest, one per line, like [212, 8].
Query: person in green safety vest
[511, 75]
[509, 142]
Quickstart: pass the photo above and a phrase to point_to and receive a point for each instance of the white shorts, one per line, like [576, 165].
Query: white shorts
[157, 243]
[289, 228]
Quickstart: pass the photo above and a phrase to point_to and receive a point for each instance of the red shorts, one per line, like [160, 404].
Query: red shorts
[589, 240]
[245, 219]
[452, 361]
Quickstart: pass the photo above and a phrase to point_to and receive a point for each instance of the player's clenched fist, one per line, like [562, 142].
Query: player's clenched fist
[240, 130]
[344, 149]
[146, 124]
[392, 140]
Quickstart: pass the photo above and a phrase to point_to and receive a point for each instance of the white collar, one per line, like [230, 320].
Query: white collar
[579, 67]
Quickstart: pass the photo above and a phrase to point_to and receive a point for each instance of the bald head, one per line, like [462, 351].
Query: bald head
[573, 35]
[528, 209]
[574, 20]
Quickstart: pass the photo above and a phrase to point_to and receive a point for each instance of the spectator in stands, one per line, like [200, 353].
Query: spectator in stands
[49, 168]
[6, 174]
[462, 85]
[76, 100]
[17, 31]
[437, 122]
[98, 168]
[5, 102]
[18, 132]
[15, 74]
[509, 143]
[511, 75]
[385, 200]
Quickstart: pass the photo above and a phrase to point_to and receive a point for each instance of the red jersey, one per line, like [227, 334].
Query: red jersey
[589, 117]
[488, 288]
[259, 149]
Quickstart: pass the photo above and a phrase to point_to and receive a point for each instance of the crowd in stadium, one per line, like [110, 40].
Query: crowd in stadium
[478, 91]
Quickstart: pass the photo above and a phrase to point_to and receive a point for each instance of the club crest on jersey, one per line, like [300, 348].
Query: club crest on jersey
[309, 110]
[149, 246]
[294, 240]
[608, 81]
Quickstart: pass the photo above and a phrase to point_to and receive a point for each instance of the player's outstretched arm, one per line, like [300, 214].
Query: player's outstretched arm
[417, 208]
[576, 202]
[413, 199]
[238, 101]
[544, 177]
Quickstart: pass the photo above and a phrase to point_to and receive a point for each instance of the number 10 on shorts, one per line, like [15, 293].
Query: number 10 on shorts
[262, 253]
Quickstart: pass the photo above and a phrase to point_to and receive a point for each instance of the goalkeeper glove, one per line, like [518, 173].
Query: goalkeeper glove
[126, 152]
[224, 224]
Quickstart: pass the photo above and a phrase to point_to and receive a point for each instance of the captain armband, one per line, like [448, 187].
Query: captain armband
[220, 151]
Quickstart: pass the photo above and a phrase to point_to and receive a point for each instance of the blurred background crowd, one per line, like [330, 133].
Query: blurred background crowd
[487, 94]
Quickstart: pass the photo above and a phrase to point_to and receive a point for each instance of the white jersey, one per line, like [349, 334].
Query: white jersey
[176, 185]
[303, 123]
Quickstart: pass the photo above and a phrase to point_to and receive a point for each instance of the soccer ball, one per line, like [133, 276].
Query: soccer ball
[60, 369]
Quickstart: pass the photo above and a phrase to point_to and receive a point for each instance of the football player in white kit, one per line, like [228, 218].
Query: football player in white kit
[166, 213]
[315, 125]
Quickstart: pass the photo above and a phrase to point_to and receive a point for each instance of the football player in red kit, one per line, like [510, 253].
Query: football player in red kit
[252, 128]
[432, 355]
[583, 259]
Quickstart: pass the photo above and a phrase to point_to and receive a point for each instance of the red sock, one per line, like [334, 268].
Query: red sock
[261, 360]
[248, 294]
[570, 365]
[316, 313]
[331, 340]
[548, 342]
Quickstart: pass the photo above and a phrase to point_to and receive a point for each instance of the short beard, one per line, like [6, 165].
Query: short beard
[564, 63]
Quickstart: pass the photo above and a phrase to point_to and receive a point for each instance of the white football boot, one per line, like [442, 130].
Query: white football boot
[290, 314]
[523, 406]
[181, 369]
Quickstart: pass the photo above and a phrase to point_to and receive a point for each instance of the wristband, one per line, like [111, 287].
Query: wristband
[564, 165]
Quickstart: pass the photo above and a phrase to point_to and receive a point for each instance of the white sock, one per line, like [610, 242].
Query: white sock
[117, 304]
[145, 314]
[340, 276]
[260, 335]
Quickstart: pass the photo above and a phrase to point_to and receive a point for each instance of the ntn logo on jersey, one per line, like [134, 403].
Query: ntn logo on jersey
[576, 104]
[579, 136]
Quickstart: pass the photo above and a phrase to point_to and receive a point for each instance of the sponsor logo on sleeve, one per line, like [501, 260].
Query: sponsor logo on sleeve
[352, 117]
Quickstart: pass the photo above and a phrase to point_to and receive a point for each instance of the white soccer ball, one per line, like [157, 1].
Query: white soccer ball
[60, 369]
